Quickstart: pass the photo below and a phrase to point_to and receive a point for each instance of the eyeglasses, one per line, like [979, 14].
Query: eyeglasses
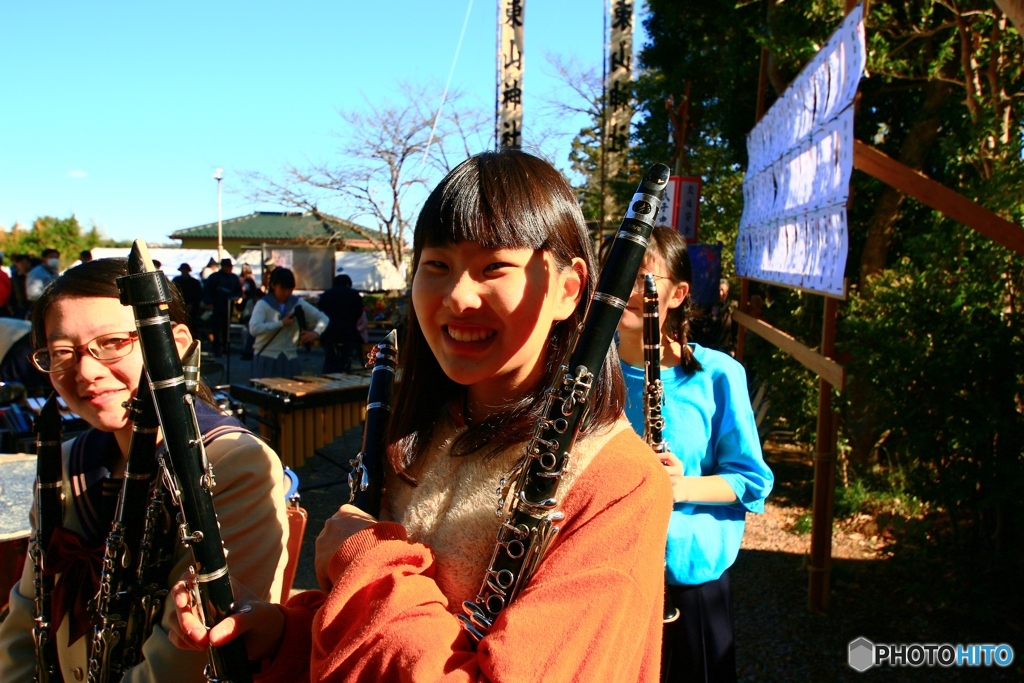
[638, 284]
[105, 348]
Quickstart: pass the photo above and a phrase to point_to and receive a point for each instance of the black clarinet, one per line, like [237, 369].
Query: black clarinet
[114, 648]
[156, 547]
[654, 394]
[531, 524]
[300, 320]
[156, 558]
[49, 516]
[187, 471]
[366, 478]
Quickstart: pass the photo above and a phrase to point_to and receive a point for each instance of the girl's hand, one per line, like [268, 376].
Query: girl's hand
[288, 320]
[674, 468]
[711, 489]
[347, 521]
[259, 623]
[308, 337]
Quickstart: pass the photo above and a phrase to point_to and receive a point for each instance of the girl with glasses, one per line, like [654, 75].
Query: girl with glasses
[503, 272]
[86, 341]
[714, 463]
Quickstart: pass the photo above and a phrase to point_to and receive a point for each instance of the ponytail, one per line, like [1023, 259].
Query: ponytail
[671, 246]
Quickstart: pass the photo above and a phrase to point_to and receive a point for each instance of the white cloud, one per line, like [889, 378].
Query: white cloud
[77, 174]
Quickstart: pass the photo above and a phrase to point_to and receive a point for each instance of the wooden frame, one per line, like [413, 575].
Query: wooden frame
[840, 297]
[823, 366]
[830, 373]
[927, 191]
[936, 195]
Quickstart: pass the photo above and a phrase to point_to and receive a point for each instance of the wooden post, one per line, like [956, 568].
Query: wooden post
[824, 475]
[741, 334]
[762, 85]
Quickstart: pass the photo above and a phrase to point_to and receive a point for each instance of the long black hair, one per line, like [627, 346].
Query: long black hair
[506, 199]
[98, 278]
[670, 245]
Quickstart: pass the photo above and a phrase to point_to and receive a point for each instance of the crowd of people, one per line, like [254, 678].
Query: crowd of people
[276, 321]
[503, 272]
[211, 302]
[20, 288]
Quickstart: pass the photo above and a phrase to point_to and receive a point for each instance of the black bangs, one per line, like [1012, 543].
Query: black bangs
[96, 278]
[506, 199]
[496, 199]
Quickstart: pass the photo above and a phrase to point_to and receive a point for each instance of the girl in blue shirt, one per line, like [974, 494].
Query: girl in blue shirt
[717, 471]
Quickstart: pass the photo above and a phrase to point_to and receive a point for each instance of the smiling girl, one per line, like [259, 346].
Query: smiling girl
[86, 342]
[503, 274]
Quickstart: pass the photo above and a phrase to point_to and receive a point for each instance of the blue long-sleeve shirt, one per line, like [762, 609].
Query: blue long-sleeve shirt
[710, 427]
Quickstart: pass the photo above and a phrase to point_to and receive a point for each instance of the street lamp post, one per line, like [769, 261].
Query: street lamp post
[219, 175]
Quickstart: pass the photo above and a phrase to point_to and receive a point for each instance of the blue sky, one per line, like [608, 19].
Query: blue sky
[119, 112]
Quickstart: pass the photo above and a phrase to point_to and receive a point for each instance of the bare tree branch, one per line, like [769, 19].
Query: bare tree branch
[383, 161]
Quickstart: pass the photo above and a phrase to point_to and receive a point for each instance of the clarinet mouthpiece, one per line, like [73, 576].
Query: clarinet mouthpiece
[49, 415]
[657, 174]
[650, 287]
[139, 260]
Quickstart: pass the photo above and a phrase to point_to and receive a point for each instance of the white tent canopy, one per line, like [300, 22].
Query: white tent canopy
[169, 259]
[370, 271]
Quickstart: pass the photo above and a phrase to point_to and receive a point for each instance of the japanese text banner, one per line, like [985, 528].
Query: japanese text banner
[511, 16]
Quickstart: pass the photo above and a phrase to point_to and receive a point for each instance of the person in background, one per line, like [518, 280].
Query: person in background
[84, 256]
[42, 275]
[721, 325]
[251, 293]
[273, 324]
[209, 269]
[5, 290]
[219, 291]
[19, 271]
[15, 350]
[250, 290]
[341, 340]
[192, 294]
[715, 465]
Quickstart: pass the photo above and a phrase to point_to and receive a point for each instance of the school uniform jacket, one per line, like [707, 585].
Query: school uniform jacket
[249, 499]
[592, 612]
[272, 337]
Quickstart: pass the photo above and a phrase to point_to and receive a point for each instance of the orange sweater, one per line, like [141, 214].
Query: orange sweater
[592, 612]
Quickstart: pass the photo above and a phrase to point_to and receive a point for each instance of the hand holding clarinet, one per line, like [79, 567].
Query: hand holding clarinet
[187, 469]
[260, 624]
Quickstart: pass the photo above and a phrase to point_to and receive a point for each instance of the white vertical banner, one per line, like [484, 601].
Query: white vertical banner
[511, 15]
[680, 207]
[688, 208]
[668, 213]
[620, 74]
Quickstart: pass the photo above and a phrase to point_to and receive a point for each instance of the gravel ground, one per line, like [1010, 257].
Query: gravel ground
[877, 592]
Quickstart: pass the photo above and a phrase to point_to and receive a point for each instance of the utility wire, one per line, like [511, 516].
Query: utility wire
[451, 72]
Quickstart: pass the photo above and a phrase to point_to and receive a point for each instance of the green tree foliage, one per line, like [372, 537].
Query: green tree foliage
[939, 342]
[932, 334]
[712, 50]
[63, 234]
